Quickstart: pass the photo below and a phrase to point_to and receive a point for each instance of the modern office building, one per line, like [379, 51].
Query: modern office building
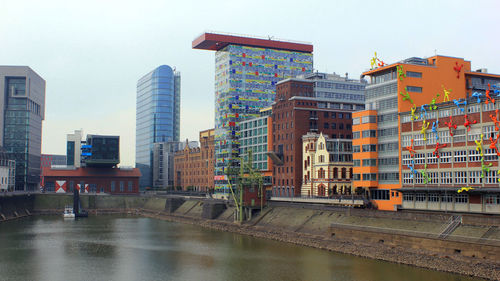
[255, 134]
[327, 166]
[101, 151]
[157, 116]
[7, 171]
[53, 159]
[22, 109]
[246, 72]
[74, 148]
[163, 163]
[320, 103]
[412, 108]
[194, 166]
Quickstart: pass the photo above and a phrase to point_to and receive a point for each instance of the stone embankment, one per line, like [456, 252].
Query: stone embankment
[472, 249]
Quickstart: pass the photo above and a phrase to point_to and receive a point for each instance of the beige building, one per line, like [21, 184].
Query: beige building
[327, 168]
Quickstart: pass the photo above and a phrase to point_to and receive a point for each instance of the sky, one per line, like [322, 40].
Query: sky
[91, 53]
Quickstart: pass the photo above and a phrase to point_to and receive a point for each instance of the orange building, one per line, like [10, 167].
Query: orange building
[416, 88]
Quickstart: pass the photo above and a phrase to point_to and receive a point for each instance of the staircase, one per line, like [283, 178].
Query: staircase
[452, 224]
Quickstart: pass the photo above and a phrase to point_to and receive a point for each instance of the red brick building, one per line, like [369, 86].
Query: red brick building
[194, 167]
[92, 180]
[298, 109]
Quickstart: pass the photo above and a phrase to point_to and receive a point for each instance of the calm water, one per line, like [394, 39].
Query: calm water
[129, 248]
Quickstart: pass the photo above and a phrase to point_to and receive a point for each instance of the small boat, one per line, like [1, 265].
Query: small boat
[68, 212]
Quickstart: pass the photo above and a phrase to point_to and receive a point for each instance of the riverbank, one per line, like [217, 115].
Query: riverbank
[404, 238]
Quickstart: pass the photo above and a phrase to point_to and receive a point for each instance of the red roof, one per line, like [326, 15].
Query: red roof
[92, 172]
[215, 42]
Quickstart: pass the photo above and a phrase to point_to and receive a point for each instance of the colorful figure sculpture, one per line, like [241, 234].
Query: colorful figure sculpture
[446, 94]
[450, 125]
[459, 102]
[494, 118]
[488, 97]
[423, 112]
[411, 149]
[413, 116]
[373, 61]
[467, 123]
[424, 175]
[424, 129]
[458, 68]
[437, 148]
[401, 72]
[479, 146]
[406, 96]
[412, 168]
[496, 90]
[465, 188]
[493, 145]
[484, 168]
[434, 128]
[478, 96]
[432, 105]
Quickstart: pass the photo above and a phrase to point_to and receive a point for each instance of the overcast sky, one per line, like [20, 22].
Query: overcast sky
[91, 53]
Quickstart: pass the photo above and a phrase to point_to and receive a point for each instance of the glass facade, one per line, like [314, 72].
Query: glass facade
[245, 82]
[157, 116]
[22, 132]
[254, 138]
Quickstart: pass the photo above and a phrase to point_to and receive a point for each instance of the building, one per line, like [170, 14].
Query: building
[327, 168]
[314, 103]
[74, 148]
[48, 160]
[394, 154]
[254, 137]
[52, 159]
[157, 116]
[22, 109]
[194, 166]
[246, 72]
[92, 180]
[7, 171]
[163, 163]
[101, 151]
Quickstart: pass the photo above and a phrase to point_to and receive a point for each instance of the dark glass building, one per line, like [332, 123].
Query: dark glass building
[157, 116]
[22, 110]
[101, 151]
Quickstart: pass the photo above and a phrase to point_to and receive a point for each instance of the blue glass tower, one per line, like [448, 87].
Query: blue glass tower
[157, 116]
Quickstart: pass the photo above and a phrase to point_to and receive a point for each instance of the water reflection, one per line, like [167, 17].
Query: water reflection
[130, 248]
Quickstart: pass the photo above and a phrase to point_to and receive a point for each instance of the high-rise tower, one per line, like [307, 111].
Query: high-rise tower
[22, 109]
[246, 72]
[157, 116]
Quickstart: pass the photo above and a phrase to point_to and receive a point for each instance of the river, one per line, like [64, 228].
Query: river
[134, 248]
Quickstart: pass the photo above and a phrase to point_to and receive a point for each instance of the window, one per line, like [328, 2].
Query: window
[355, 148]
[113, 186]
[420, 197]
[369, 147]
[420, 158]
[447, 198]
[406, 140]
[433, 197]
[370, 177]
[490, 177]
[444, 113]
[407, 178]
[460, 177]
[408, 197]
[355, 135]
[369, 134]
[491, 200]
[356, 163]
[122, 186]
[369, 119]
[326, 125]
[413, 74]
[444, 137]
[475, 177]
[380, 194]
[388, 161]
[460, 156]
[414, 89]
[369, 162]
[462, 198]
[130, 186]
[459, 135]
[445, 178]
[431, 158]
[490, 154]
[341, 126]
[355, 121]
[356, 177]
[406, 159]
[388, 177]
[445, 157]
[340, 116]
